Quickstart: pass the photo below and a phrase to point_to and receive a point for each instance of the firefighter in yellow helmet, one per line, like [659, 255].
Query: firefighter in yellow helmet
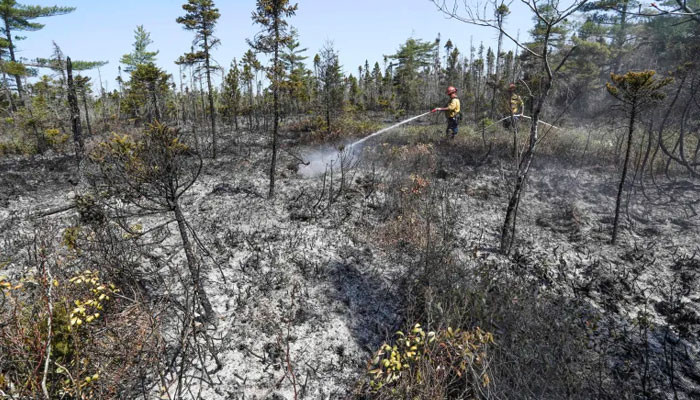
[452, 112]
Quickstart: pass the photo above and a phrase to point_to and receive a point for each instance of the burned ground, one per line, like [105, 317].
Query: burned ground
[316, 279]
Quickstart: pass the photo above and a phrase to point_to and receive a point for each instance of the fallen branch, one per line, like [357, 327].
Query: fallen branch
[296, 157]
[53, 211]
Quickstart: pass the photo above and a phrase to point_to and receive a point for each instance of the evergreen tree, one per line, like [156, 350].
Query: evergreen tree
[448, 49]
[231, 96]
[250, 64]
[140, 54]
[411, 57]
[83, 88]
[636, 91]
[201, 17]
[556, 35]
[57, 63]
[144, 92]
[610, 22]
[376, 86]
[452, 69]
[477, 71]
[271, 14]
[500, 12]
[672, 39]
[354, 92]
[296, 73]
[583, 75]
[368, 94]
[436, 78]
[292, 55]
[4, 84]
[18, 17]
[386, 97]
[330, 83]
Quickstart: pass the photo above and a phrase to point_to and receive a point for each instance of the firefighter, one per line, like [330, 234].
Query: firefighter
[452, 112]
[515, 106]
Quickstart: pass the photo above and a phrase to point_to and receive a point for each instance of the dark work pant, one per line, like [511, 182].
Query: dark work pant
[452, 126]
[511, 122]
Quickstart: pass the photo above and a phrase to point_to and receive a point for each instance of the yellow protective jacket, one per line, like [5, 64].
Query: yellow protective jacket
[516, 104]
[453, 108]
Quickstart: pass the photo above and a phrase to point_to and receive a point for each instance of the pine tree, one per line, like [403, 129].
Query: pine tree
[636, 91]
[501, 12]
[292, 55]
[490, 59]
[330, 83]
[271, 14]
[145, 91]
[452, 67]
[201, 17]
[477, 74]
[295, 72]
[354, 92]
[610, 21]
[250, 64]
[231, 96]
[367, 89]
[18, 17]
[82, 86]
[387, 98]
[448, 49]
[376, 86]
[57, 63]
[411, 57]
[4, 84]
[436, 80]
[555, 35]
[140, 54]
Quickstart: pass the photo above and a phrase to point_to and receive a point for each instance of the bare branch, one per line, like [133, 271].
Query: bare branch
[682, 4]
[561, 64]
[477, 18]
[49, 334]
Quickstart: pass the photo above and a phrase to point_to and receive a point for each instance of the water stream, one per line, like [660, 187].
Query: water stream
[320, 160]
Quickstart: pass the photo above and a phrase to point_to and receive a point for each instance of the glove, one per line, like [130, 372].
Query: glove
[433, 110]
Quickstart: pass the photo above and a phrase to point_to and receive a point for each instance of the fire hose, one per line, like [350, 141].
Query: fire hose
[523, 116]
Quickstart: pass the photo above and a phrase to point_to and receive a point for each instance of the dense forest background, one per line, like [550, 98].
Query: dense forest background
[600, 38]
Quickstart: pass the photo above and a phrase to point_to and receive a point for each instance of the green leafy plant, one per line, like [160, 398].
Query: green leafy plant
[77, 337]
[449, 363]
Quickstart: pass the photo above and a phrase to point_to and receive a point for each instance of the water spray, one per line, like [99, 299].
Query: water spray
[320, 160]
[386, 129]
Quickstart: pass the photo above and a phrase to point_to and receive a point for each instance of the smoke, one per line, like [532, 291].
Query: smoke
[319, 161]
[324, 159]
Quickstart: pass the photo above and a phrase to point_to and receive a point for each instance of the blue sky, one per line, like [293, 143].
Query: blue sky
[359, 30]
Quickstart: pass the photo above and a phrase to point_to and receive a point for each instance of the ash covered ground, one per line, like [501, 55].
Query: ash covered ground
[316, 277]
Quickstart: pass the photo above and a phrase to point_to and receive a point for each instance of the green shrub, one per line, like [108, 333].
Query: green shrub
[349, 125]
[88, 326]
[447, 364]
